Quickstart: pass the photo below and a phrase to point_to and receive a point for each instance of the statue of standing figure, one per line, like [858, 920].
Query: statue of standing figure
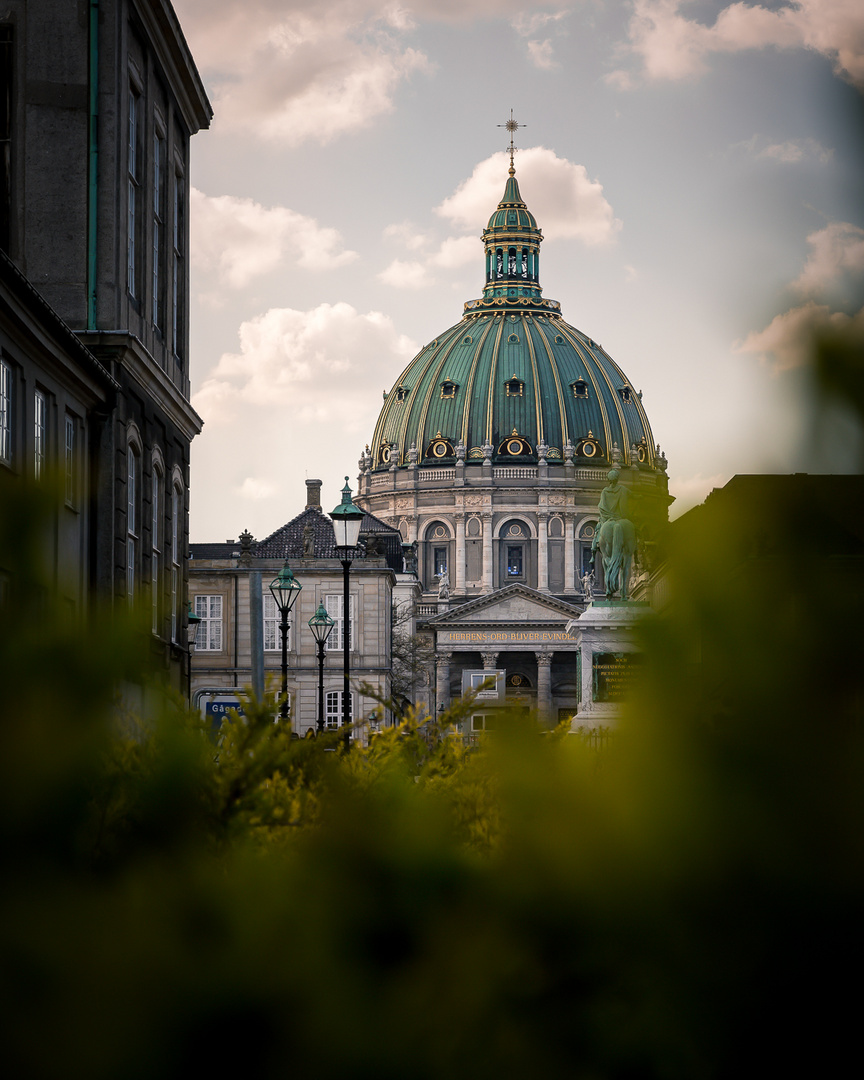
[587, 580]
[444, 585]
[615, 536]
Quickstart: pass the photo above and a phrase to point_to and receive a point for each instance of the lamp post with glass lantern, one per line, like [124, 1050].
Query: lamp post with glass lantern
[346, 525]
[193, 621]
[321, 626]
[285, 589]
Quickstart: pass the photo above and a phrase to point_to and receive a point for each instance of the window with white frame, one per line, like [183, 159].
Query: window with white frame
[272, 626]
[333, 602]
[133, 185]
[209, 611]
[40, 432]
[333, 711]
[5, 413]
[176, 503]
[158, 225]
[133, 472]
[155, 545]
[71, 459]
[178, 271]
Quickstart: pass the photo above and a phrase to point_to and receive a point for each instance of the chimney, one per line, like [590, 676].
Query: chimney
[313, 494]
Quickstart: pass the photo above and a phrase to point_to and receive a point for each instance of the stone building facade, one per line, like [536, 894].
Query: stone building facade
[238, 647]
[99, 104]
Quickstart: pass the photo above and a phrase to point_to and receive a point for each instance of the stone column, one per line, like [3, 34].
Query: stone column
[490, 661]
[569, 554]
[543, 552]
[487, 553]
[459, 583]
[442, 677]
[544, 686]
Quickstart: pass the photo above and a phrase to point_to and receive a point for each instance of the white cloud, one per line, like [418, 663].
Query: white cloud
[558, 192]
[541, 54]
[407, 234]
[528, 24]
[291, 72]
[240, 239]
[405, 275]
[458, 251]
[787, 342]
[286, 357]
[255, 488]
[790, 152]
[795, 150]
[836, 253]
[670, 45]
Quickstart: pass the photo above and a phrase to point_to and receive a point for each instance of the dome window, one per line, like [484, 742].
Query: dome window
[642, 452]
[467, 340]
[589, 447]
[439, 448]
[448, 389]
[626, 394]
[401, 394]
[513, 339]
[385, 453]
[515, 385]
[515, 446]
[580, 388]
[559, 340]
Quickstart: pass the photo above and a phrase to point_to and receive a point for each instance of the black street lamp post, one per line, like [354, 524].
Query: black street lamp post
[285, 589]
[321, 626]
[346, 525]
[192, 623]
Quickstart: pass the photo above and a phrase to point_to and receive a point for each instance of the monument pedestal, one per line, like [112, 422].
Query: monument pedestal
[607, 658]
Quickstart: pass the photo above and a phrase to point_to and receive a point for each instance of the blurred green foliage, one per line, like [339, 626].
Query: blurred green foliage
[688, 906]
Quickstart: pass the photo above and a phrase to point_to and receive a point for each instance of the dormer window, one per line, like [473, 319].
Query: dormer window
[559, 340]
[514, 386]
[515, 446]
[440, 447]
[467, 340]
[448, 389]
[580, 388]
[626, 394]
[513, 339]
[401, 394]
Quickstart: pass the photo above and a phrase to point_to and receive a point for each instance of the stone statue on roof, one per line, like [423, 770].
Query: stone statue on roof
[308, 541]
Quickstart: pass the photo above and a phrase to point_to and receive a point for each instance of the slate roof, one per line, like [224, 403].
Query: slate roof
[286, 543]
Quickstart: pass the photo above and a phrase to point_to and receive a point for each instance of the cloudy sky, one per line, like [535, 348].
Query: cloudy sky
[692, 163]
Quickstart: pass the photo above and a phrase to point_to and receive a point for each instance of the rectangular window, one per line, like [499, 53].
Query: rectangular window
[133, 185]
[158, 226]
[333, 602]
[5, 413]
[439, 559]
[40, 433]
[175, 561]
[209, 611]
[514, 560]
[6, 106]
[131, 521]
[178, 270]
[155, 547]
[272, 626]
[333, 712]
[71, 451]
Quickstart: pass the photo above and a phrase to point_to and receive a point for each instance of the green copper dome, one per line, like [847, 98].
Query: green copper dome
[512, 382]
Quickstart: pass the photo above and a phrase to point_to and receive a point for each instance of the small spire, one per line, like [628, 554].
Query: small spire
[512, 126]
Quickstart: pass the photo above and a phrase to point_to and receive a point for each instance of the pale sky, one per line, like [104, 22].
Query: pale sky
[693, 165]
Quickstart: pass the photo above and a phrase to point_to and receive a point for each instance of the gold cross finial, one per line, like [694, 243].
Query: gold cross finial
[512, 126]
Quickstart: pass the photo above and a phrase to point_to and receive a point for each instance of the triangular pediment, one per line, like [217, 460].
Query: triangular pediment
[513, 605]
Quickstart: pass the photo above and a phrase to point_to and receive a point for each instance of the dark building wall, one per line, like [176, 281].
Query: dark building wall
[103, 99]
